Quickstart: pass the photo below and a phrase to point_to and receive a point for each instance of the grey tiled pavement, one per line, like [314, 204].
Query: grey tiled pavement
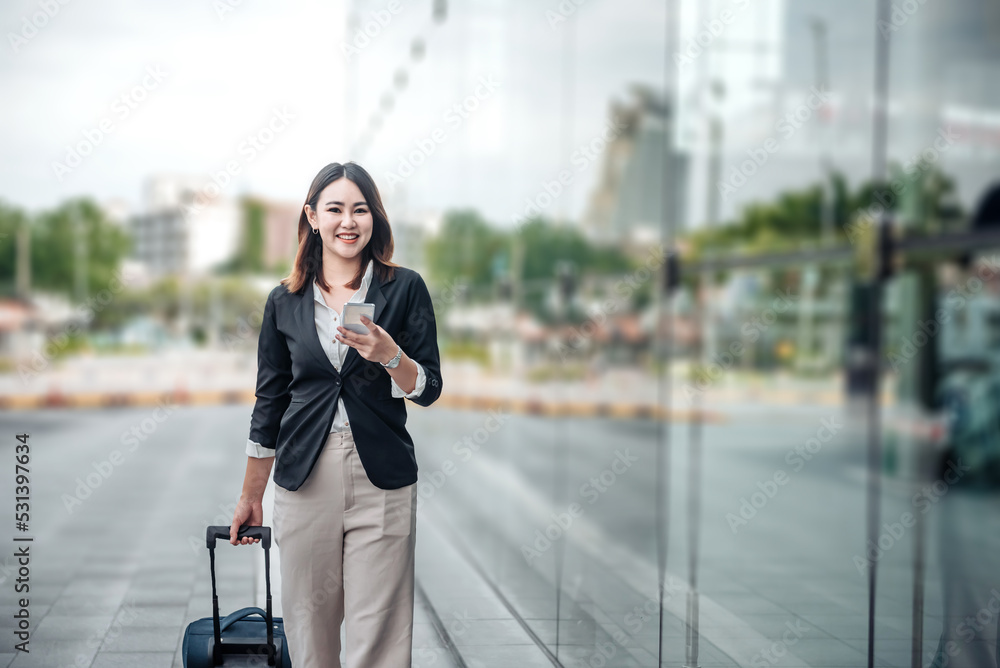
[115, 581]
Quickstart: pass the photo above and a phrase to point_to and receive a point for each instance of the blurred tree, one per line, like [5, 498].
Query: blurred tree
[249, 257]
[157, 301]
[11, 220]
[240, 307]
[469, 251]
[464, 250]
[546, 245]
[794, 217]
[54, 257]
[282, 268]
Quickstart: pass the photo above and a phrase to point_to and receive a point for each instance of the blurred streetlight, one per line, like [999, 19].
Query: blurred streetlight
[567, 114]
[822, 83]
[24, 258]
[716, 135]
[440, 11]
[417, 49]
[80, 252]
[566, 282]
[806, 312]
[214, 329]
[401, 79]
[462, 293]
[351, 103]
[505, 289]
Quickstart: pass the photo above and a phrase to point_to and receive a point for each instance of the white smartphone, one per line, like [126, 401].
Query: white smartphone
[352, 316]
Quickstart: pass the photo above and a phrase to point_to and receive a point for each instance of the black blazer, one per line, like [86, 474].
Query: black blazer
[298, 387]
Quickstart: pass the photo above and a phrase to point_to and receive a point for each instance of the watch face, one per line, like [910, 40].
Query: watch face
[394, 362]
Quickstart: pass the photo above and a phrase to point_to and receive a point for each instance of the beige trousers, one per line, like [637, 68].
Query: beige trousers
[347, 551]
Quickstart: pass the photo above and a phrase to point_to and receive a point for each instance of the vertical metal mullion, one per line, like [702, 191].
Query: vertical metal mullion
[665, 291]
[879, 172]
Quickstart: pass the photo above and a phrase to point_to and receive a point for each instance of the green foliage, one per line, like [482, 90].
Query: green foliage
[11, 220]
[464, 250]
[795, 217]
[461, 349]
[282, 267]
[160, 300]
[249, 257]
[76, 343]
[554, 372]
[55, 238]
[237, 307]
[546, 245]
[226, 300]
[469, 251]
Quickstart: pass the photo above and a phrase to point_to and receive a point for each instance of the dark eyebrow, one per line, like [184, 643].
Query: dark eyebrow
[362, 202]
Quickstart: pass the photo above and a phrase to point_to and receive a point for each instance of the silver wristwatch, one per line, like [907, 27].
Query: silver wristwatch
[394, 362]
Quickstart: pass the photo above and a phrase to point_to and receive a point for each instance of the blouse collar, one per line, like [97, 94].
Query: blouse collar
[366, 282]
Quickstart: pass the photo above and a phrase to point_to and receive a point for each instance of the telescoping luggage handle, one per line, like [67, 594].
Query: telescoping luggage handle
[264, 534]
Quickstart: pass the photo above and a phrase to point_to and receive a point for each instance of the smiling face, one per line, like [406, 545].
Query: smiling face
[343, 218]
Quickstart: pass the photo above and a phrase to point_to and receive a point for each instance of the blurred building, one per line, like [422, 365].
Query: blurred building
[409, 235]
[281, 229]
[730, 80]
[188, 226]
[117, 210]
[750, 119]
[36, 326]
[19, 324]
[634, 187]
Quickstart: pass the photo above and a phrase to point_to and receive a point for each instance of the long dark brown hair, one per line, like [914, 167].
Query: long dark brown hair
[309, 257]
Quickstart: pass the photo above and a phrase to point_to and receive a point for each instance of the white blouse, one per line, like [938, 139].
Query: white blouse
[327, 321]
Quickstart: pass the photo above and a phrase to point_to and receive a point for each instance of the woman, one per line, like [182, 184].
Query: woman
[331, 418]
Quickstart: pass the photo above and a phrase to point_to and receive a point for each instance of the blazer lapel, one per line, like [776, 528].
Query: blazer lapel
[305, 320]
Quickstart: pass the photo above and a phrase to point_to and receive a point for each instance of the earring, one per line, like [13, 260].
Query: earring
[315, 230]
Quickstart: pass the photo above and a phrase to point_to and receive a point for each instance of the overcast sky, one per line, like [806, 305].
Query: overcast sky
[181, 86]
[221, 77]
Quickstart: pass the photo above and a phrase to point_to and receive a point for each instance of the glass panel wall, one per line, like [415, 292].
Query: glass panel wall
[737, 458]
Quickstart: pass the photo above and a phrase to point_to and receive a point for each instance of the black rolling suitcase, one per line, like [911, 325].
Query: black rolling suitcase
[241, 639]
